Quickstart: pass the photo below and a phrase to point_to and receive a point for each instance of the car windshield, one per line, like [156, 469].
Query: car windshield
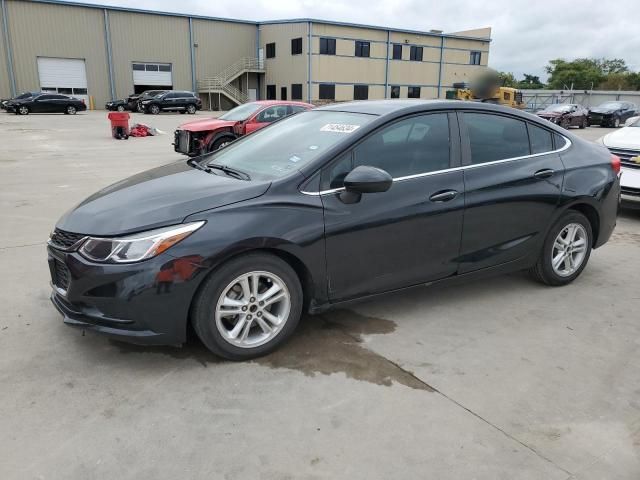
[289, 144]
[24, 95]
[611, 105]
[558, 108]
[241, 113]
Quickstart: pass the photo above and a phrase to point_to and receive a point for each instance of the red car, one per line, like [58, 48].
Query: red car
[208, 135]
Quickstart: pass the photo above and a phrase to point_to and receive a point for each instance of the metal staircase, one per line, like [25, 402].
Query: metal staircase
[221, 83]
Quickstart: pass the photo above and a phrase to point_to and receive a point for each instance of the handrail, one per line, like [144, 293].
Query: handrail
[221, 81]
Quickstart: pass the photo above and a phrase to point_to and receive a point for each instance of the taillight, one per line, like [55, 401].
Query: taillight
[82, 100]
[615, 164]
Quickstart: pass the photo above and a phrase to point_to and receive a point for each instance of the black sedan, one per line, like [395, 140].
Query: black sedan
[566, 115]
[116, 106]
[612, 114]
[22, 96]
[326, 207]
[47, 103]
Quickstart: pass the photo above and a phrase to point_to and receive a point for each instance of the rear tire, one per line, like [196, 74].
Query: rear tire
[70, 110]
[563, 256]
[230, 313]
[191, 109]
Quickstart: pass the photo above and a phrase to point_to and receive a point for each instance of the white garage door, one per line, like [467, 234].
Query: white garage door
[152, 74]
[63, 75]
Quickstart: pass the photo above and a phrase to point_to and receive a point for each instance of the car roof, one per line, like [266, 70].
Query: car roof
[280, 102]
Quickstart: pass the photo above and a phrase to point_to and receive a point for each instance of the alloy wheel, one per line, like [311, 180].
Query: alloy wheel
[569, 250]
[23, 110]
[155, 109]
[71, 110]
[253, 309]
[191, 109]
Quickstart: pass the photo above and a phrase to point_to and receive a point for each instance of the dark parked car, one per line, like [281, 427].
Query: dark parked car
[22, 96]
[134, 101]
[612, 114]
[566, 115]
[172, 101]
[325, 207]
[116, 106]
[47, 103]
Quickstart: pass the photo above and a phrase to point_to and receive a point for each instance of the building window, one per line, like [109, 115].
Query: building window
[164, 68]
[474, 58]
[139, 67]
[296, 91]
[283, 93]
[416, 54]
[327, 46]
[296, 46]
[395, 91]
[271, 50]
[151, 67]
[327, 91]
[414, 92]
[397, 51]
[271, 92]
[360, 92]
[362, 48]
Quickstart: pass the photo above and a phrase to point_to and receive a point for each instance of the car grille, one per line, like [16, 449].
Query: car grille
[64, 240]
[635, 192]
[626, 156]
[183, 141]
[61, 275]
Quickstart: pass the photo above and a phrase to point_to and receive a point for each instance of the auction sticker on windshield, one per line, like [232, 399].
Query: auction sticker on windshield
[339, 128]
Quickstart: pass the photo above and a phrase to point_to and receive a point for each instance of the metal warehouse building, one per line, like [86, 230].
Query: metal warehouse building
[108, 52]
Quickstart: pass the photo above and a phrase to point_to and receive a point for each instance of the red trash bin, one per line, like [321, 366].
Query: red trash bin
[119, 124]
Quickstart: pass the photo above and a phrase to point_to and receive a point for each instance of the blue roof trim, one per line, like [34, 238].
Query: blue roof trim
[250, 22]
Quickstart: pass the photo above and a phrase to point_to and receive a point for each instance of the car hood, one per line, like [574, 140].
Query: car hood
[206, 124]
[602, 110]
[627, 138]
[156, 198]
[549, 114]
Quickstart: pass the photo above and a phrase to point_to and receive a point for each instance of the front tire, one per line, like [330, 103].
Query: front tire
[616, 122]
[153, 109]
[248, 307]
[585, 123]
[219, 143]
[566, 250]
[120, 108]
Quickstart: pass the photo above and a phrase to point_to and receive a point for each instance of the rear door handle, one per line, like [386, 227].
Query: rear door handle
[443, 196]
[544, 173]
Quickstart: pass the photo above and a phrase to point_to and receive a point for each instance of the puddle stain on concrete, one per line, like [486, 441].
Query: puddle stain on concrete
[325, 344]
[332, 343]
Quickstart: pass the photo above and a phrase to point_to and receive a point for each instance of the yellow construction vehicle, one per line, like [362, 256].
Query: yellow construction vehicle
[487, 88]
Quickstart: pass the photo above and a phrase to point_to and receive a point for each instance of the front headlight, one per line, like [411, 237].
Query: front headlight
[136, 247]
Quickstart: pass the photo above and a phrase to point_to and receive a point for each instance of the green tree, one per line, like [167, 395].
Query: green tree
[507, 79]
[582, 73]
[530, 82]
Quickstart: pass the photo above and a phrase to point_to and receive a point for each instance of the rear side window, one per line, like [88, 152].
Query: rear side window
[495, 137]
[540, 138]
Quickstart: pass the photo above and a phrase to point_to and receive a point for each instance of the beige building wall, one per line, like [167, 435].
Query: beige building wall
[5, 82]
[35, 30]
[285, 69]
[169, 38]
[221, 44]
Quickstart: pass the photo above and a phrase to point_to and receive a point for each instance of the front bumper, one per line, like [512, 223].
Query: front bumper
[145, 303]
[630, 187]
[600, 119]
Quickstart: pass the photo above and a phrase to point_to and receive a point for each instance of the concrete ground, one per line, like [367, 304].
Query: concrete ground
[498, 379]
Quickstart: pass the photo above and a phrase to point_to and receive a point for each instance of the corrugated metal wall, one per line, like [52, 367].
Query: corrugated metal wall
[43, 30]
[5, 83]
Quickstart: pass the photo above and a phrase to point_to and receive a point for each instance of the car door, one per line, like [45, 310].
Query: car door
[513, 178]
[409, 234]
[267, 116]
[43, 104]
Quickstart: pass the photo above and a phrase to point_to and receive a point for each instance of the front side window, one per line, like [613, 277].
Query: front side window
[296, 46]
[416, 145]
[360, 92]
[414, 92]
[296, 91]
[397, 51]
[289, 144]
[362, 48]
[540, 138]
[474, 58]
[327, 46]
[395, 91]
[415, 54]
[272, 114]
[271, 50]
[327, 91]
[271, 92]
[495, 137]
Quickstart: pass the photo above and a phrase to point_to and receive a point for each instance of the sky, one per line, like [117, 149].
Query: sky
[525, 36]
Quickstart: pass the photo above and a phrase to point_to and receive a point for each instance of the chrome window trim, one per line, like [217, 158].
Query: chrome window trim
[454, 169]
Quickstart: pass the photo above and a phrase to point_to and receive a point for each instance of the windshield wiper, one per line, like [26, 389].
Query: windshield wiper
[195, 164]
[232, 172]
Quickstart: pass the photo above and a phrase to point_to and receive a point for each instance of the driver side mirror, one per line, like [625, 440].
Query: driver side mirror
[365, 179]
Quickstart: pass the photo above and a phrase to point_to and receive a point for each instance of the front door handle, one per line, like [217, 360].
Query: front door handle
[443, 196]
[544, 173]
